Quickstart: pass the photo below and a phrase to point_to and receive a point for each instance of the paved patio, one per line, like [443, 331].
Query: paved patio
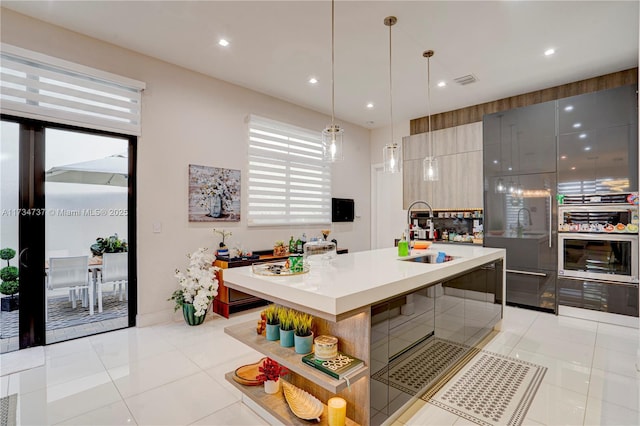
[66, 323]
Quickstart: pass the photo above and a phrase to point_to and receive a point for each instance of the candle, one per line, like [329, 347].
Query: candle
[337, 411]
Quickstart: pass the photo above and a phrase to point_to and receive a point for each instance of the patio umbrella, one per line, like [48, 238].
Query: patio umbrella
[112, 170]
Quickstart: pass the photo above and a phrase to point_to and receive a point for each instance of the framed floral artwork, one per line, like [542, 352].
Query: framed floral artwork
[214, 194]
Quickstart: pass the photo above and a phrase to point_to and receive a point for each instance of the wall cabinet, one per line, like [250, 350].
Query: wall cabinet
[459, 153]
[520, 141]
[598, 142]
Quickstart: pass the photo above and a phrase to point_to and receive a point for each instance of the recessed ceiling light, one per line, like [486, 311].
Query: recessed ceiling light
[442, 84]
[582, 135]
[587, 148]
[573, 168]
[549, 52]
[510, 168]
[223, 42]
[313, 80]
[495, 161]
[568, 108]
[563, 157]
[370, 105]
[577, 125]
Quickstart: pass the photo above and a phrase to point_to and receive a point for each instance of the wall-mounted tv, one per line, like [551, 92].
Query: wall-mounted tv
[342, 210]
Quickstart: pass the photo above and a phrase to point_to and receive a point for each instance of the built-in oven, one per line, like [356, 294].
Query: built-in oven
[606, 256]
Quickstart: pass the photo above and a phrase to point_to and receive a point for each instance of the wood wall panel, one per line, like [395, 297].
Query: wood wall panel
[475, 113]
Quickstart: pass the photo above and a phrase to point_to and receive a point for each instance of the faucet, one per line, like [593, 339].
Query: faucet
[520, 227]
[409, 218]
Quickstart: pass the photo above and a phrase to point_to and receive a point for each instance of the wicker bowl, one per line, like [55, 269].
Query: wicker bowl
[302, 404]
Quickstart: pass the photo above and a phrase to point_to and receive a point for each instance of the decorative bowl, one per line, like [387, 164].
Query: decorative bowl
[302, 404]
[246, 374]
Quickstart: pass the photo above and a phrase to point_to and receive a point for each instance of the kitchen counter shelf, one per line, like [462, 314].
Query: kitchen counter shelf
[277, 406]
[246, 333]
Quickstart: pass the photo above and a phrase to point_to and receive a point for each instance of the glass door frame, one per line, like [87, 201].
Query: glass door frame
[31, 239]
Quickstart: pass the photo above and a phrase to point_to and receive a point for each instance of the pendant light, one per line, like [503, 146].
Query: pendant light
[391, 151]
[429, 164]
[332, 134]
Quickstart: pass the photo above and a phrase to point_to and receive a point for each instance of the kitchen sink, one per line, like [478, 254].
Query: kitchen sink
[426, 259]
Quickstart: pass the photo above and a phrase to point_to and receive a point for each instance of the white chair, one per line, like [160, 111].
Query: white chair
[71, 273]
[115, 269]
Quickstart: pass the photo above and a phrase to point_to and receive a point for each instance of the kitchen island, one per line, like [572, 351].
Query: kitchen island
[340, 295]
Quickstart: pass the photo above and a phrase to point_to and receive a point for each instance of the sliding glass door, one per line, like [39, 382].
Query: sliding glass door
[66, 202]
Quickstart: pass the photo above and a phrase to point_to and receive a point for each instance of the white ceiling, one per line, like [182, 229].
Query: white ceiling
[276, 46]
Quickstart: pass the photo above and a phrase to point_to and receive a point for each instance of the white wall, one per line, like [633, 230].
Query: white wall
[389, 210]
[188, 118]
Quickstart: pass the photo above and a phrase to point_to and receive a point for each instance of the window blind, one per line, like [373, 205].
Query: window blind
[289, 183]
[42, 87]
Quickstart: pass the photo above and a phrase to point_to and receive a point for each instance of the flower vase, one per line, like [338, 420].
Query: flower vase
[189, 313]
[286, 338]
[215, 206]
[273, 331]
[303, 344]
[271, 386]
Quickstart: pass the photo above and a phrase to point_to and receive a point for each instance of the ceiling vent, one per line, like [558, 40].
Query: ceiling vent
[466, 79]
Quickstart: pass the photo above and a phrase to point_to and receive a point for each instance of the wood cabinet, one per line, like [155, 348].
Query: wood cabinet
[459, 154]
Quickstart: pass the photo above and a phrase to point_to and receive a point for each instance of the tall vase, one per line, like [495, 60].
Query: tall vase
[215, 206]
[189, 313]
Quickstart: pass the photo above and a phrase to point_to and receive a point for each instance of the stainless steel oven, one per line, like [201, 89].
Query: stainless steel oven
[603, 256]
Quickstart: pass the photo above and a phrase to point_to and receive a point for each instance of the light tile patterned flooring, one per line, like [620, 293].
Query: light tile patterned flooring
[172, 374]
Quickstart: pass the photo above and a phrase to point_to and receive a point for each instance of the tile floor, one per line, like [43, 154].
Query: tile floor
[172, 374]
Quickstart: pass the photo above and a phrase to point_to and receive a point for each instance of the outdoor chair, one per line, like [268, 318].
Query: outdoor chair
[70, 273]
[115, 270]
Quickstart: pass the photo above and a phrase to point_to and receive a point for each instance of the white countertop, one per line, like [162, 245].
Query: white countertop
[354, 280]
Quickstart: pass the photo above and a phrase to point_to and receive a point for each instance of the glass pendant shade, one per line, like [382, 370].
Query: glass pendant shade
[500, 188]
[391, 157]
[430, 169]
[511, 188]
[332, 143]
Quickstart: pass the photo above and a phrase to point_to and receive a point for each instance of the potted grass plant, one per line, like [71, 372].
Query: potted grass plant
[273, 322]
[303, 334]
[287, 318]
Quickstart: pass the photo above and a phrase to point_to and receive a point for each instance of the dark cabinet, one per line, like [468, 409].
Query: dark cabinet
[520, 141]
[598, 142]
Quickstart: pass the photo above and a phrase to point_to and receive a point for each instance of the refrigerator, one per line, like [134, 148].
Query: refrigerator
[520, 216]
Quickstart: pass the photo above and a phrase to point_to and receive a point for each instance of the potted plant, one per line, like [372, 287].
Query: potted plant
[223, 250]
[10, 284]
[287, 317]
[279, 249]
[198, 287]
[273, 322]
[303, 335]
[111, 244]
[270, 372]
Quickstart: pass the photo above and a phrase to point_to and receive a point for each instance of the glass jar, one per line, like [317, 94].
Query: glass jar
[319, 252]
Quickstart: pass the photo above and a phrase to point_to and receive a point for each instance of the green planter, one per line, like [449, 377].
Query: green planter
[189, 313]
[286, 338]
[303, 344]
[273, 332]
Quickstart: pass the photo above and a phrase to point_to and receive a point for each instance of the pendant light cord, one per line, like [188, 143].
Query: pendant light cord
[429, 105]
[332, 62]
[390, 86]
